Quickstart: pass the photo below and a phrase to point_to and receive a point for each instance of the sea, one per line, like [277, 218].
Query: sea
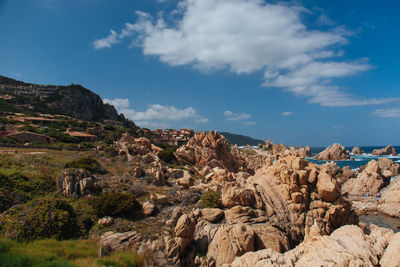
[356, 161]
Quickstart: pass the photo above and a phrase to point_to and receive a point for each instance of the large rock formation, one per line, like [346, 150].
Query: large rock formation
[77, 183]
[374, 176]
[347, 246]
[211, 149]
[133, 146]
[275, 209]
[390, 202]
[389, 150]
[334, 152]
[357, 151]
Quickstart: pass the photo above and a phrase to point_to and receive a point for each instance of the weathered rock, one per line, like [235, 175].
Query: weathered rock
[237, 196]
[111, 241]
[357, 151]
[105, 221]
[392, 253]
[327, 187]
[212, 215]
[157, 174]
[185, 227]
[148, 208]
[186, 181]
[230, 242]
[269, 237]
[389, 150]
[78, 182]
[160, 199]
[390, 202]
[346, 246]
[374, 176]
[150, 157]
[210, 149]
[334, 152]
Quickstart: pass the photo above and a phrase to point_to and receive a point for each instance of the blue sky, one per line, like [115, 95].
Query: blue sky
[297, 72]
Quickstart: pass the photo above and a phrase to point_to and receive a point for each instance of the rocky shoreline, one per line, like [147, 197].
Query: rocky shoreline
[276, 210]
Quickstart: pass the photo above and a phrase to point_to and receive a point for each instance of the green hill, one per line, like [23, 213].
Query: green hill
[241, 140]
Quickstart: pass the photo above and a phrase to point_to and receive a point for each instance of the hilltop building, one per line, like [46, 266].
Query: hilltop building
[173, 136]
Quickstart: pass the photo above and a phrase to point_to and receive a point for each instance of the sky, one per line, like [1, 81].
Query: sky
[296, 72]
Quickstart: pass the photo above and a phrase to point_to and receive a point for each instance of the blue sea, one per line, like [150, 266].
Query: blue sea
[359, 160]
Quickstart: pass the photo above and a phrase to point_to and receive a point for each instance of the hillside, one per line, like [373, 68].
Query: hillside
[241, 140]
[72, 100]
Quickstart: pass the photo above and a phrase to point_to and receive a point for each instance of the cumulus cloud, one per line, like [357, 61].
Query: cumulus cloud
[156, 115]
[248, 36]
[230, 116]
[387, 113]
[287, 113]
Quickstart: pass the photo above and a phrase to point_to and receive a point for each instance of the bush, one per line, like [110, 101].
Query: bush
[40, 218]
[210, 200]
[167, 155]
[110, 151]
[86, 163]
[116, 205]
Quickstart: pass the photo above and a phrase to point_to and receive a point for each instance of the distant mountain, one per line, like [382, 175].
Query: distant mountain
[241, 140]
[72, 100]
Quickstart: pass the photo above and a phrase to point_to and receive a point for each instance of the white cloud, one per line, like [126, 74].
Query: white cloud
[156, 115]
[250, 123]
[287, 113]
[387, 113]
[118, 103]
[247, 36]
[108, 41]
[230, 116]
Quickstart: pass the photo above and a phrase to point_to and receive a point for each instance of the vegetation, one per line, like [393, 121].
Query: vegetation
[50, 252]
[40, 218]
[86, 163]
[250, 152]
[116, 205]
[210, 200]
[240, 140]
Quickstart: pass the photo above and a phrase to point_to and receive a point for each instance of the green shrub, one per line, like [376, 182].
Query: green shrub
[250, 152]
[40, 218]
[86, 163]
[210, 200]
[116, 205]
[17, 188]
[110, 151]
[167, 155]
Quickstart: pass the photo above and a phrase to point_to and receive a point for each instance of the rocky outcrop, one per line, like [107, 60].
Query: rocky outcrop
[390, 199]
[133, 146]
[77, 183]
[211, 149]
[274, 149]
[389, 150]
[334, 152]
[79, 102]
[391, 257]
[148, 208]
[346, 246]
[357, 151]
[273, 209]
[110, 242]
[374, 176]
[230, 242]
